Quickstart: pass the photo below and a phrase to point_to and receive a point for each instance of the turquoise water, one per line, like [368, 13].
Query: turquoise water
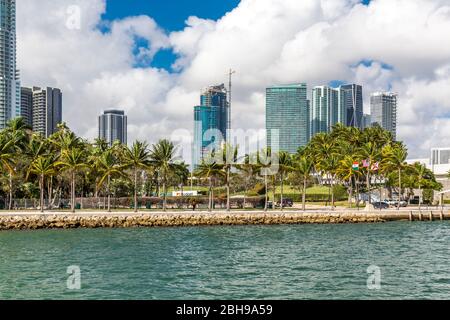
[255, 262]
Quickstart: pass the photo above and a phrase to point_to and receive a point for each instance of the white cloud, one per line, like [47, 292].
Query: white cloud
[265, 41]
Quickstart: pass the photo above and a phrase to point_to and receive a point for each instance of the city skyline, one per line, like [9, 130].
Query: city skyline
[158, 98]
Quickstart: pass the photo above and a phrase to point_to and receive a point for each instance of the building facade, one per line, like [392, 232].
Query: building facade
[210, 122]
[351, 99]
[47, 110]
[325, 110]
[367, 121]
[26, 105]
[112, 127]
[287, 117]
[439, 163]
[383, 109]
[9, 75]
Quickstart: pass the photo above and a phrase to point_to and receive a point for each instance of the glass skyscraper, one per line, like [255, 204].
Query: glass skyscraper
[210, 122]
[383, 111]
[112, 126]
[9, 75]
[326, 110]
[287, 117]
[351, 99]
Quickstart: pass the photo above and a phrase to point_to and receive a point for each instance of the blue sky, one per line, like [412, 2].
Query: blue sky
[169, 15]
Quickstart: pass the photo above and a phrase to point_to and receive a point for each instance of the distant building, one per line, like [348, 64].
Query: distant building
[210, 122]
[439, 163]
[351, 99]
[367, 121]
[26, 105]
[326, 110]
[383, 109]
[9, 75]
[287, 117]
[47, 110]
[112, 126]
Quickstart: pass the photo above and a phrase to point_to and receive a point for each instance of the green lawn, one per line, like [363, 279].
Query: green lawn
[286, 189]
[312, 190]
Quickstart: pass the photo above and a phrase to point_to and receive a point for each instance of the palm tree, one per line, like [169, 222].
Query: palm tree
[394, 159]
[42, 166]
[331, 165]
[182, 173]
[72, 160]
[247, 171]
[346, 172]
[370, 152]
[13, 141]
[109, 165]
[303, 166]
[137, 157]
[209, 169]
[266, 166]
[228, 159]
[421, 175]
[285, 165]
[163, 158]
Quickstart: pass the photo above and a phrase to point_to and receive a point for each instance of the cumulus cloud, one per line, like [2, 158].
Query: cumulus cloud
[389, 44]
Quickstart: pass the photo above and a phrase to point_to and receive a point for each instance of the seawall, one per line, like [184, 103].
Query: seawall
[34, 221]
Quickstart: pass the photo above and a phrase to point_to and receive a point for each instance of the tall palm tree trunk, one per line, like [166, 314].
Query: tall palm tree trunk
[329, 189]
[135, 191]
[368, 186]
[304, 194]
[73, 192]
[210, 196]
[109, 193]
[228, 189]
[420, 196]
[10, 191]
[164, 196]
[41, 186]
[357, 193]
[266, 195]
[281, 192]
[274, 180]
[332, 193]
[399, 187]
[350, 195]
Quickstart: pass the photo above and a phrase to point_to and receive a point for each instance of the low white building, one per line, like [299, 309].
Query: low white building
[439, 163]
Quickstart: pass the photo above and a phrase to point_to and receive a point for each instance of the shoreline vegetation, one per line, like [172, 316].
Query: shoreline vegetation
[65, 171]
[90, 220]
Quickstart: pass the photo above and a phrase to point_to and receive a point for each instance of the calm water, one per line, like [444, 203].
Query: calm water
[269, 262]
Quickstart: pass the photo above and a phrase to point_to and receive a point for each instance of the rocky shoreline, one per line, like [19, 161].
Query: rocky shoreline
[27, 221]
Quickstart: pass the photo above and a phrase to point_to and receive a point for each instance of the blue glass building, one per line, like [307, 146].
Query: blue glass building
[351, 99]
[287, 117]
[210, 122]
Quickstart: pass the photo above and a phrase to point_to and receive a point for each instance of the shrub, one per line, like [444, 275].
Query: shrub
[428, 196]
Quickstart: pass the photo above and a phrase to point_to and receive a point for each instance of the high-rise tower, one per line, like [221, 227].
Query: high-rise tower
[287, 117]
[112, 126]
[210, 122]
[383, 110]
[9, 75]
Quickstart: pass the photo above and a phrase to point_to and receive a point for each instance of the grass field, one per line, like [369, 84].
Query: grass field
[286, 189]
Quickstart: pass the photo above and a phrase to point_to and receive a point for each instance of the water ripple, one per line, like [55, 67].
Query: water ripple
[255, 262]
